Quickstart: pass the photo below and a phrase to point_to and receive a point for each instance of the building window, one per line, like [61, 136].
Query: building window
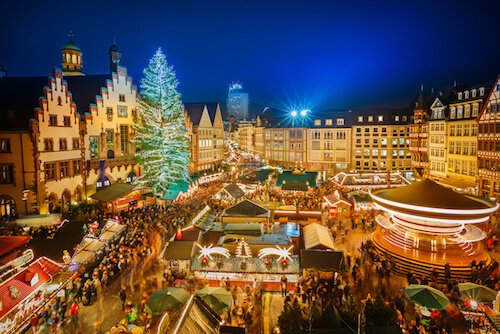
[474, 129]
[328, 122]
[404, 118]
[396, 118]
[453, 113]
[109, 114]
[473, 93]
[481, 91]
[59, 101]
[63, 144]
[67, 121]
[124, 139]
[48, 144]
[76, 167]
[7, 174]
[341, 134]
[360, 119]
[122, 111]
[316, 135]
[110, 139]
[475, 110]
[370, 118]
[49, 171]
[460, 112]
[452, 130]
[367, 130]
[384, 130]
[299, 134]
[94, 146]
[53, 120]
[340, 121]
[4, 145]
[467, 111]
[121, 97]
[317, 122]
[64, 169]
[473, 148]
[380, 118]
[76, 143]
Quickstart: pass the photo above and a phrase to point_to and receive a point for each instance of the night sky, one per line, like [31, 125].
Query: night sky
[314, 54]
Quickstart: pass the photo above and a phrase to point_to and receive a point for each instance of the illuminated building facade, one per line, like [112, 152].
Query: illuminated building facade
[329, 143]
[426, 225]
[286, 147]
[489, 145]
[419, 137]
[380, 140]
[462, 129]
[205, 127]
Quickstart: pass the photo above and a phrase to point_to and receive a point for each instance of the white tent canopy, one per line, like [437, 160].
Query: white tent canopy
[110, 229]
[317, 236]
[87, 249]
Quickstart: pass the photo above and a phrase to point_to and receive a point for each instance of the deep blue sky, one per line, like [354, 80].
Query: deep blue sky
[317, 54]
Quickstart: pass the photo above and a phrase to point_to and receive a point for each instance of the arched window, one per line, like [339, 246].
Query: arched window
[68, 58]
[65, 199]
[111, 154]
[73, 59]
[59, 101]
[7, 206]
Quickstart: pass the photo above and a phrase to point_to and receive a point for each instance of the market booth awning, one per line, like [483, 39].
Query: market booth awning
[247, 208]
[87, 249]
[179, 250]
[10, 243]
[321, 259]
[115, 191]
[110, 230]
[317, 236]
[290, 180]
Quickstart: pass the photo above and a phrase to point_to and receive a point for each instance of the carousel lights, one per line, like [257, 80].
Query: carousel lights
[430, 219]
[435, 210]
[282, 253]
[209, 251]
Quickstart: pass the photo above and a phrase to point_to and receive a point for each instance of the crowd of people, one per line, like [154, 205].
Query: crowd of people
[36, 232]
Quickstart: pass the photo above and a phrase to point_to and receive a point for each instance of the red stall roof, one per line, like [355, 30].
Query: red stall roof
[26, 282]
[8, 243]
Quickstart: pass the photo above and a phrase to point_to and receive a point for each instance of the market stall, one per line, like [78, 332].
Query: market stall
[111, 229]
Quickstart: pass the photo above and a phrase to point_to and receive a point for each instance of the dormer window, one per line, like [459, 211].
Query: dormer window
[404, 118]
[460, 95]
[473, 93]
[453, 113]
[317, 122]
[380, 118]
[370, 118]
[328, 122]
[360, 119]
[396, 118]
[481, 91]
[466, 94]
[340, 121]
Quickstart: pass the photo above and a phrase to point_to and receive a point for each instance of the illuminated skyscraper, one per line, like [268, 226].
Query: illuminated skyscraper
[237, 101]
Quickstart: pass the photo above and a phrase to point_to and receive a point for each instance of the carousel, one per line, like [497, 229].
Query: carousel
[426, 227]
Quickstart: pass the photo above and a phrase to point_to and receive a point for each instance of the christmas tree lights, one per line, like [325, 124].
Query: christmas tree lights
[162, 140]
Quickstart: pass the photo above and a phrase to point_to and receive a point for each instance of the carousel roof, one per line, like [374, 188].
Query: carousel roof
[429, 194]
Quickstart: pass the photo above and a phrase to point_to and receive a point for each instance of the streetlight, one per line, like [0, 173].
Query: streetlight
[304, 112]
[294, 113]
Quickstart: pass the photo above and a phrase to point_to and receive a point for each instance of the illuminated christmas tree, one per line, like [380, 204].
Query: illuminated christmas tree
[243, 250]
[162, 140]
